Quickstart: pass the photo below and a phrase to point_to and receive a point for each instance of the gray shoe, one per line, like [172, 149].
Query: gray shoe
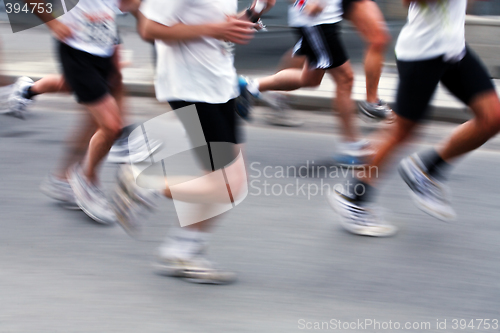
[429, 194]
[90, 198]
[379, 111]
[17, 104]
[59, 190]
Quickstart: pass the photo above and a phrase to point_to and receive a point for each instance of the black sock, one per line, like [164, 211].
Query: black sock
[358, 191]
[29, 94]
[435, 165]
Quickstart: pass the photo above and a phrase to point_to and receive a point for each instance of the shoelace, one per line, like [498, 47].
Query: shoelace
[360, 215]
[427, 187]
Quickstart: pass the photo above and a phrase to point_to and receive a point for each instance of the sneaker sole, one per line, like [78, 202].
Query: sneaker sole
[172, 271]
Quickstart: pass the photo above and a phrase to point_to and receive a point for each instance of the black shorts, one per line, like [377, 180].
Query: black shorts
[347, 5]
[418, 81]
[220, 124]
[322, 46]
[87, 75]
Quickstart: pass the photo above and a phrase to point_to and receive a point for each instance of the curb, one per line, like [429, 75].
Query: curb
[298, 102]
[439, 113]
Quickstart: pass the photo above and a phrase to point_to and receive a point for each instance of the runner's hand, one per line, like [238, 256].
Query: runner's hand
[234, 30]
[60, 30]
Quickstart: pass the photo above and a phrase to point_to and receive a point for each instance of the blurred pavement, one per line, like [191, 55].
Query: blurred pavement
[62, 273]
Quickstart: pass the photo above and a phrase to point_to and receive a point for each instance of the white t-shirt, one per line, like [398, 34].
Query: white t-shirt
[433, 29]
[332, 13]
[93, 25]
[199, 70]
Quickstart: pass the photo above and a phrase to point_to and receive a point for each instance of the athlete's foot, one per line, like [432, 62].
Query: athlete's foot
[183, 255]
[379, 111]
[353, 154]
[429, 194]
[90, 198]
[129, 201]
[358, 218]
[132, 151]
[196, 269]
[17, 102]
[279, 114]
[245, 101]
[60, 190]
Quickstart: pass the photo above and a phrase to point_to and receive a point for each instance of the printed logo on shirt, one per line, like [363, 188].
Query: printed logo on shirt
[300, 4]
[97, 28]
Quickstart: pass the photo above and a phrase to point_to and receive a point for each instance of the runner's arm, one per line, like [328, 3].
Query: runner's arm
[233, 30]
[60, 30]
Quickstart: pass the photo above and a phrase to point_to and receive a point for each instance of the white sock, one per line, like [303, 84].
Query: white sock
[253, 87]
[183, 243]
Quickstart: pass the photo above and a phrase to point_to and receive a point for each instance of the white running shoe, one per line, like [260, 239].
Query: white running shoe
[90, 198]
[196, 269]
[17, 103]
[429, 194]
[133, 151]
[357, 219]
[129, 201]
[59, 190]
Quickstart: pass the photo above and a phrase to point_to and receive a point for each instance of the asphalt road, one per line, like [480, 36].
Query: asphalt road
[60, 272]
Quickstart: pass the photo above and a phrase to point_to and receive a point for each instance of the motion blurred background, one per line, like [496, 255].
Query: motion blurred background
[59, 272]
[263, 54]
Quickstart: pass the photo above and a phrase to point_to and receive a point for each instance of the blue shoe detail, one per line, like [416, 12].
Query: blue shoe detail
[347, 160]
[244, 102]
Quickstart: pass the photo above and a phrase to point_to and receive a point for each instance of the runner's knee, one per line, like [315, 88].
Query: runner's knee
[345, 81]
[112, 129]
[379, 40]
[490, 123]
